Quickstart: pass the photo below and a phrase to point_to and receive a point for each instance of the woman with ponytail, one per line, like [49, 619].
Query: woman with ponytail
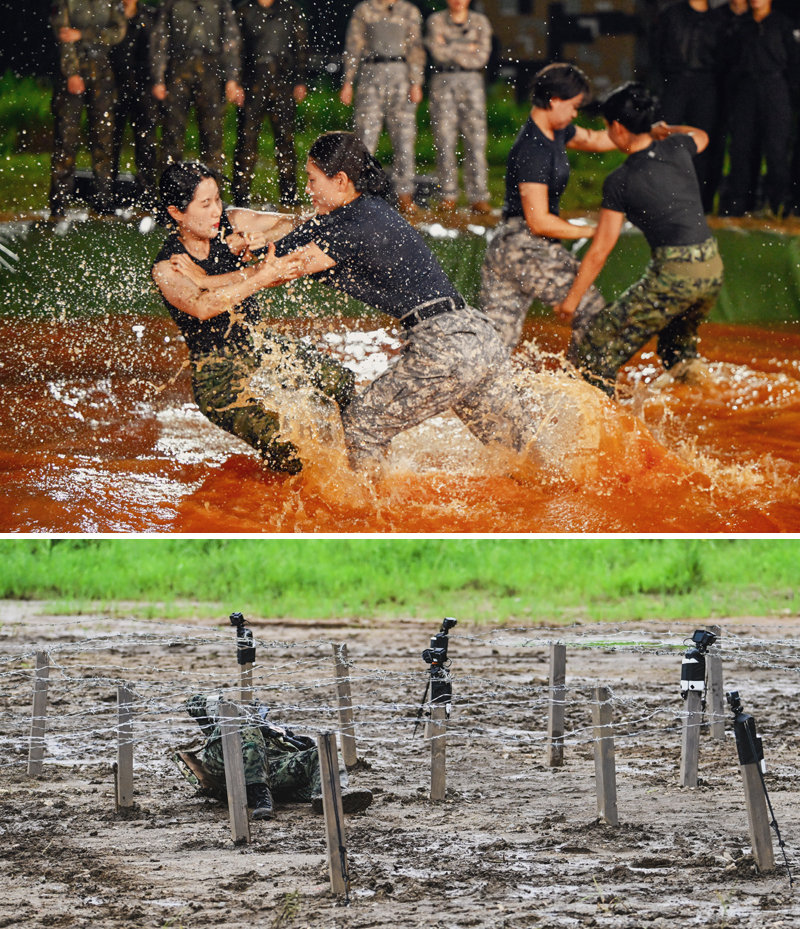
[657, 189]
[359, 244]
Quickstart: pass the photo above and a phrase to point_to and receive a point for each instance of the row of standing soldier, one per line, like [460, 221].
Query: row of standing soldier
[128, 62]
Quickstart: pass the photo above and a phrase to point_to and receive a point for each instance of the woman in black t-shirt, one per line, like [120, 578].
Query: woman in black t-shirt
[218, 320]
[525, 260]
[657, 189]
[452, 357]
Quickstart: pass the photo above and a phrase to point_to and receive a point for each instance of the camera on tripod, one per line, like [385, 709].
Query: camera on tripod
[439, 681]
[693, 667]
[245, 646]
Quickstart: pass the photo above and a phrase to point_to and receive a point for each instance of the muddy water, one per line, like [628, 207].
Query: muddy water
[100, 435]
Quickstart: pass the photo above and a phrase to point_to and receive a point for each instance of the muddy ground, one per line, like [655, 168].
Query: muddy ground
[516, 843]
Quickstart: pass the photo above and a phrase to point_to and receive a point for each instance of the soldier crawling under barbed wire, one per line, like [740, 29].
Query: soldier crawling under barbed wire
[279, 765]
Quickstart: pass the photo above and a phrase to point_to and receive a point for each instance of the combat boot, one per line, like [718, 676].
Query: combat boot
[260, 799]
[353, 801]
[481, 207]
[406, 204]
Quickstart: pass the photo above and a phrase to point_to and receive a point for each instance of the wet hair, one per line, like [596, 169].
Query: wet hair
[178, 185]
[559, 80]
[333, 152]
[632, 106]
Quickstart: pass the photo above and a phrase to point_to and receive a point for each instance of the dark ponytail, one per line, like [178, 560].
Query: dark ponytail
[178, 185]
[333, 152]
[632, 106]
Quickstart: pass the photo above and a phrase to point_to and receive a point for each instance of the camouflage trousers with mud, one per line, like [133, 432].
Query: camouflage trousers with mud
[671, 299]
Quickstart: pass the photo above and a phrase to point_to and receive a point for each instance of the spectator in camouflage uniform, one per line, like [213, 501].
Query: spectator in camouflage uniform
[85, 31]
[274, 61]
[384, 51]
[459, 44]
[658, 190]
[130, 60]
[194, 54]
[279, 765]
[525, 259]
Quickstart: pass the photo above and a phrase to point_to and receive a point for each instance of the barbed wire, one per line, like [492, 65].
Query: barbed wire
[297, 680]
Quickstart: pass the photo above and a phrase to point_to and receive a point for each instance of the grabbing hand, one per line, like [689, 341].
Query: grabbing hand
[563, 311]
[183, 264]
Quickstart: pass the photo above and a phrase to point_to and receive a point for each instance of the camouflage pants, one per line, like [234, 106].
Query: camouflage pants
[517, 269]
[383, 96]
[99, 99]
[293, 777]
[458, 105]
[673, 297]
[269, 97]
[195, 81]
[219, 382]
[135, 104]
[451, 361]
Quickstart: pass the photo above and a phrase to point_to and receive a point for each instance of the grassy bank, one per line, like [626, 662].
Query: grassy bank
[26, 133]
[487, 580]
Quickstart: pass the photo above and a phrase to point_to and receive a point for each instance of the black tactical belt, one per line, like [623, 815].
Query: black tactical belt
[383, 59]
[431, 308]
[451, 69]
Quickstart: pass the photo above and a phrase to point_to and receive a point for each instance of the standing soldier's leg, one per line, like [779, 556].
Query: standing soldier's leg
[249, 120]
[472, 121]
[401, 122]
[66, 138]
[175, 114]
[210, 106]
[282, 115]
[444, 123]
[101, 99]
[370, 106]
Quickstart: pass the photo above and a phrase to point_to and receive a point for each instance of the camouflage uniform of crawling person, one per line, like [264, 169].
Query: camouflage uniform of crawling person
[658, 190]
[221, 325]
[279, 765]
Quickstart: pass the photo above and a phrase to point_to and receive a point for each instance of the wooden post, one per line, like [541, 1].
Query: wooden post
[555, 725]
[758, 817]
[334, 813]
[690, 742]
[716, 697]
[604, 765]
[39, 715]
[124, 771]
[716, 691]
[346, 724]
[438, 737]
[234, 773]
[246, 683]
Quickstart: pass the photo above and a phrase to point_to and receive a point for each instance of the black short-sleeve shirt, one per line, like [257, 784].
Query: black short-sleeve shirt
[205, 336]
[657, 189]
[535, 159]
[380, 259]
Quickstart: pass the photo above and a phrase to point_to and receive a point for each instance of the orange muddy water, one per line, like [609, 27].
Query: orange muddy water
[100, 435]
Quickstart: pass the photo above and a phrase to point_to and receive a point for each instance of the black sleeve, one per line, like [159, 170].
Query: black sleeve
[614, 192]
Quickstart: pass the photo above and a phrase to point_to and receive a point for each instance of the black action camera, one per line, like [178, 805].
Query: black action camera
[245, 647]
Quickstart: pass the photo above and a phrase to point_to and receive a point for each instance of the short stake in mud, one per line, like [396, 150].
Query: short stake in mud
[334, 814]
[716, 691]
[346, 724]
[751, 764]
[555, 723]
[438, 735]
[693, 686]
[39, 715]
[124, 769]
[605, 770]
[234, 773]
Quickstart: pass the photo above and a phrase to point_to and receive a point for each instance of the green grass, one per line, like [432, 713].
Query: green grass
[26, 132]
[522, 581]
